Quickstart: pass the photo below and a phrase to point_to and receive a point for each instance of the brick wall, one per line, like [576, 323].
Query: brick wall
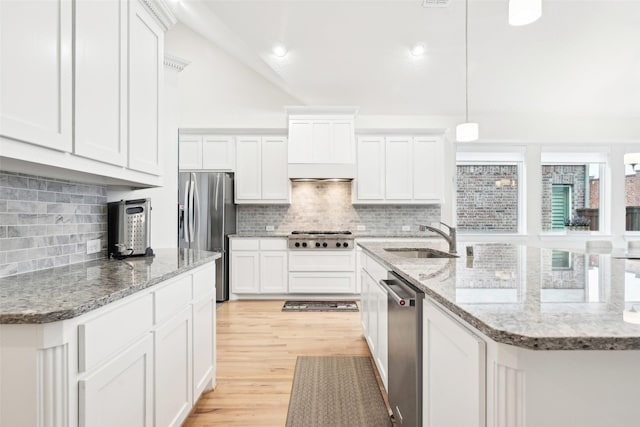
[562, 174]
[46, 223]
[483, 206]
[327, 206]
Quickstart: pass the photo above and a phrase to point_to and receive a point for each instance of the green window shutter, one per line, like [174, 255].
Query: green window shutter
[559, 206]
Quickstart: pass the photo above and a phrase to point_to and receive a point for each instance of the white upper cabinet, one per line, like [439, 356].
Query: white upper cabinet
[399, 162]
[399, 170]
[261, 170]
[146, 56]
[371, 167]
[84, 77]
[101, 80]
[207, 152]
[218, 152]
[36, 79]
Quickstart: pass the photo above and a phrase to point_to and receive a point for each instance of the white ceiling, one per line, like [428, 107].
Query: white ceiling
[581, 57]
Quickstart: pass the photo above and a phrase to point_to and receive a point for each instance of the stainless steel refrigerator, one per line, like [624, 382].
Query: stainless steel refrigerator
[206, 217]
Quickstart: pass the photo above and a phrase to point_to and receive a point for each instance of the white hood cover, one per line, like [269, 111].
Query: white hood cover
[322, 170]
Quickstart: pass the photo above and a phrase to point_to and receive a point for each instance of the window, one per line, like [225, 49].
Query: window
[488, 192]
[571, 195]
[632, 198]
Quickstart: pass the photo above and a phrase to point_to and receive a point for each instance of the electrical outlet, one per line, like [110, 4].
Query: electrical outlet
[406, 228]
[93, 246]
[269, 228]
[361, 227]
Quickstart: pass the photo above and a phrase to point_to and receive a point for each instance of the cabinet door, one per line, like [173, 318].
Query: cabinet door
[100, 110]
[343, 143]
[300, 141]
[370, 168]
[173, 374]
[382, 350]
[275, 180]
[453, 372]
[146, 56]
[273, 272]
[204, 344]
[120, 393]
[428, 161]
[190, 152]
[364, 302]
[373, 316]
[36, 78]
[218, 152]
[248, 169]
[398, 172]
[244, 272]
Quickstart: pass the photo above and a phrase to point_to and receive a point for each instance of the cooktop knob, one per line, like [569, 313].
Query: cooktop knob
[304, 244]
[324, 245]
[338, 245]
[297, 244]
[345, 244]
[317, 244]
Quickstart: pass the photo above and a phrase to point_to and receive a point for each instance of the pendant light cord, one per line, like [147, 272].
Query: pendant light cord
[466, 60]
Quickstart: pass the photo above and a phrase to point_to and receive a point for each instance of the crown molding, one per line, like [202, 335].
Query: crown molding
[175, 63]
[321, 109]
[160, 12]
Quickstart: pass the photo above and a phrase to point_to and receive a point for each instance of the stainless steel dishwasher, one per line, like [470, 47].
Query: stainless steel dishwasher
[404, 303]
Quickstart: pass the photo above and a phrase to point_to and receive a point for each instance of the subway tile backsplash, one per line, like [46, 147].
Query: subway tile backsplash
[327, 206]
[46, 223]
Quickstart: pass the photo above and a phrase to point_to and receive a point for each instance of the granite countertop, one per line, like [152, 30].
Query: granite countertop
[540, 299]
[66, 292]
[356, 235]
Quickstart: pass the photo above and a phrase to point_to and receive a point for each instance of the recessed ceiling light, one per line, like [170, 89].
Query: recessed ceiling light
[279, 50]
[418, 50]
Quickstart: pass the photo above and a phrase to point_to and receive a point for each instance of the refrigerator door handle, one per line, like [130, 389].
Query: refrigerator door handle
[185, 213]
[196, 207]
[217, 188]
[191, 207]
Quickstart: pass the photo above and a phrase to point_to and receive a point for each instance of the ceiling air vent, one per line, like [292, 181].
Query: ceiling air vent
[435, 3]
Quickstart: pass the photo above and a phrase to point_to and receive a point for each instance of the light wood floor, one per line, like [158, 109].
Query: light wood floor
[257, 349]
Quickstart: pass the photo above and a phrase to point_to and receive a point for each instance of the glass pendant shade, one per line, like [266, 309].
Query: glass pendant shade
[632, 159]
[466, 132]
[523, 12]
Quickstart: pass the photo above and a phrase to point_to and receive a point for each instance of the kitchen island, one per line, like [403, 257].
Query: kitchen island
[108, 342]
[521, 336]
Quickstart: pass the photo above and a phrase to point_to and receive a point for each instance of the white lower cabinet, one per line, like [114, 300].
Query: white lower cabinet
[453, 369]
[374, 313]
[204, 344]
[173, 379]
[143, 360]
[259, 266]
[120, 393]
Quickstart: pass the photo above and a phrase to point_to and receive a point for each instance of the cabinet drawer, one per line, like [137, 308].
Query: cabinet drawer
[204, 281]
[105, 334]
[245, 244]
[172, 298]
[321, 283]
[322, 261]
[273, 244]
[375, 269]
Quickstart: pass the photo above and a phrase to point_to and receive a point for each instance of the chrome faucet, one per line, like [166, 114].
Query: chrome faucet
[450, 238]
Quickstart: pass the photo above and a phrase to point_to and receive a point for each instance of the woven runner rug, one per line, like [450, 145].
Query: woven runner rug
[336, 391]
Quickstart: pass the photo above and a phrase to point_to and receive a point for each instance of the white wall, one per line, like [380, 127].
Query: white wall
[217, 91]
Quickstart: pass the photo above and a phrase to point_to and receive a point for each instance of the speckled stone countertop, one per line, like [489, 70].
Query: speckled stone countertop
[540, 299]
[66, 292]
[356, 235]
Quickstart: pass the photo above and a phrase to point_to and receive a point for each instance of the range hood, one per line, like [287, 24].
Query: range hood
[322, 171]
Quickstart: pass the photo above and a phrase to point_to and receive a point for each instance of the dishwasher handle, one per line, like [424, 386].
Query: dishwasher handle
[400, 300]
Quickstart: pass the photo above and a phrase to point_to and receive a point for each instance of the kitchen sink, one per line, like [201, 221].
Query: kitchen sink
[419, 253]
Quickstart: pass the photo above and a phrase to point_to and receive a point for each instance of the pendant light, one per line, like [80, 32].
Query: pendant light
[467, 131]
[523, 12]
[632, 159]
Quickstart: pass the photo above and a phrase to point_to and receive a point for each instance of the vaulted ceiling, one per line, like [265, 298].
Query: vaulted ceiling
[581, 57]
